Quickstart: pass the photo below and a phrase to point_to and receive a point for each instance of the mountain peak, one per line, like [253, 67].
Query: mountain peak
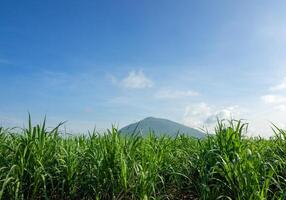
[160, 126]
[149, 118]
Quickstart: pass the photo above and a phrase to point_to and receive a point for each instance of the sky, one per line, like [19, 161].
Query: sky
[97, 63]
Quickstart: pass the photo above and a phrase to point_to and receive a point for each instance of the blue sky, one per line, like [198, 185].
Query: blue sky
[104, 62]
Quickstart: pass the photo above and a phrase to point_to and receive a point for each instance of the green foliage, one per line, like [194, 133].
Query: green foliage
[39, 164]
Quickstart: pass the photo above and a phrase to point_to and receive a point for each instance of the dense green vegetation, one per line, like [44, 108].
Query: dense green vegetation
[40, 164]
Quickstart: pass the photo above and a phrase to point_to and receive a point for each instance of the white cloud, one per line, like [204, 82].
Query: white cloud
[202, 115]
[225, 113]
[134, 80]
[276, 99]
[273, 99]
[281, 108]
[137, 80]
[195, 115]
[173, 94]
[281, 86]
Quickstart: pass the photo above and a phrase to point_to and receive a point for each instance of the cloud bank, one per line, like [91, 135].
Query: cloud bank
[203, 115]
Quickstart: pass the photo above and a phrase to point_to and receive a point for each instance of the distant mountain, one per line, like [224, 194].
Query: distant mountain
[160, 127]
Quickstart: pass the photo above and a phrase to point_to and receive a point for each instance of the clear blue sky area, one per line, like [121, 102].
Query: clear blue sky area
[103, 62]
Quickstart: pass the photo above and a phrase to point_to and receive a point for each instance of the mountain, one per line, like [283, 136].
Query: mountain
[160, 127]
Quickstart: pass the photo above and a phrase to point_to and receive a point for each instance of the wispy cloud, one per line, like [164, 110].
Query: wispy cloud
[281, 108]
[279, 87]
[277, 101]
[273, 29]
[134, 80]
[174, 94]
[76, 82]
[137, 80]
[273, 99]
[277, 97]
[56, 78]
[120, 100]
[9, 121]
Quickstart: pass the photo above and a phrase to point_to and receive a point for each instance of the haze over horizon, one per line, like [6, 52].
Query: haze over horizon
[104, 62]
